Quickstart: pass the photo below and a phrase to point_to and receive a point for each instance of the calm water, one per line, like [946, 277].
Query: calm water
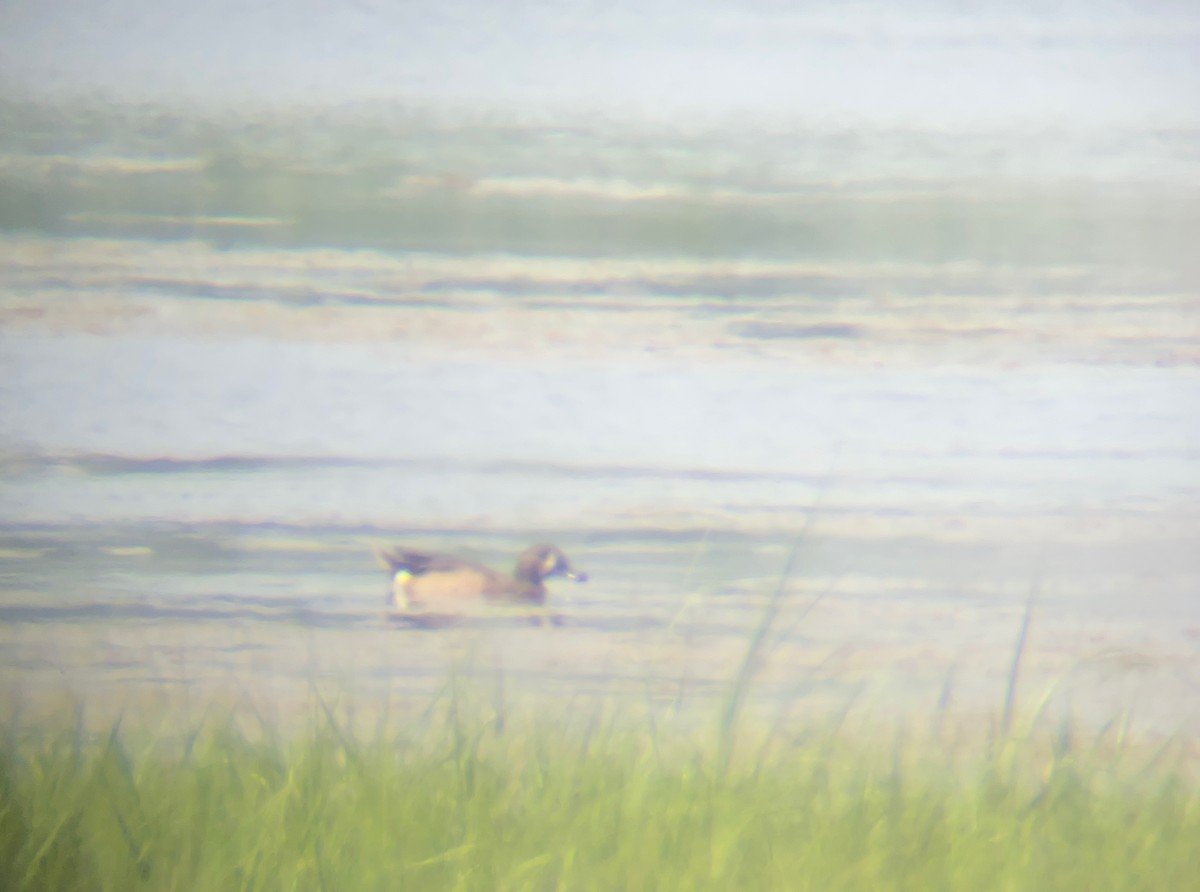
[948, 350]
[190, 497]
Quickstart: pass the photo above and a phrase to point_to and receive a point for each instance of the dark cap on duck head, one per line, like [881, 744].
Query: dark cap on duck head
[538, 562]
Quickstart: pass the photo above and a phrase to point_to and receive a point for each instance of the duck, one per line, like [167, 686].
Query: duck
[422, 579]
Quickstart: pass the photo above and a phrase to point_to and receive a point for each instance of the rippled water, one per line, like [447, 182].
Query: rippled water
[187, 507]
[956, 372]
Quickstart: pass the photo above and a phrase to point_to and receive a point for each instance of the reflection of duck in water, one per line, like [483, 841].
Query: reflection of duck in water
[421, 579]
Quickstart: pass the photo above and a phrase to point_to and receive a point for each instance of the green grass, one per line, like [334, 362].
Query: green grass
[471, 802]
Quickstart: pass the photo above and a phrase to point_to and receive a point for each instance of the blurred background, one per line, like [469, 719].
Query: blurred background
[680, 286]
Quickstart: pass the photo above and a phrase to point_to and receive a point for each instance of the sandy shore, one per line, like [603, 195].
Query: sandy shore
[593, 309]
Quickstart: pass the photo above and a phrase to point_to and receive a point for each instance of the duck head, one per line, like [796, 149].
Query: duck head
[539, 562]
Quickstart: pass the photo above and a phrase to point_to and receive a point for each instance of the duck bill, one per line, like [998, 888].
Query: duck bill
[576, 575]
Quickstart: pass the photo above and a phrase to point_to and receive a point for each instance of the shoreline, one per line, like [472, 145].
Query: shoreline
[186, 289]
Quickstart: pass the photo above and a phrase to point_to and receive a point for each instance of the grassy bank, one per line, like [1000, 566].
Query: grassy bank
[471, 802]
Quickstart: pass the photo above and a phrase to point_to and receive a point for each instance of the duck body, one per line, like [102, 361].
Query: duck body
[422, 579]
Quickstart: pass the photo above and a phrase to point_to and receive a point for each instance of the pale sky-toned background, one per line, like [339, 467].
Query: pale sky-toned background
[929, 63]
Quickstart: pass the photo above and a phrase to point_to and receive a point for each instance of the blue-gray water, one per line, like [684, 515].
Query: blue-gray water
[192, 487]
[915, 295]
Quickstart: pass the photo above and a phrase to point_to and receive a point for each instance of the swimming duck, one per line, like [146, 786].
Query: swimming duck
[421, 579]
